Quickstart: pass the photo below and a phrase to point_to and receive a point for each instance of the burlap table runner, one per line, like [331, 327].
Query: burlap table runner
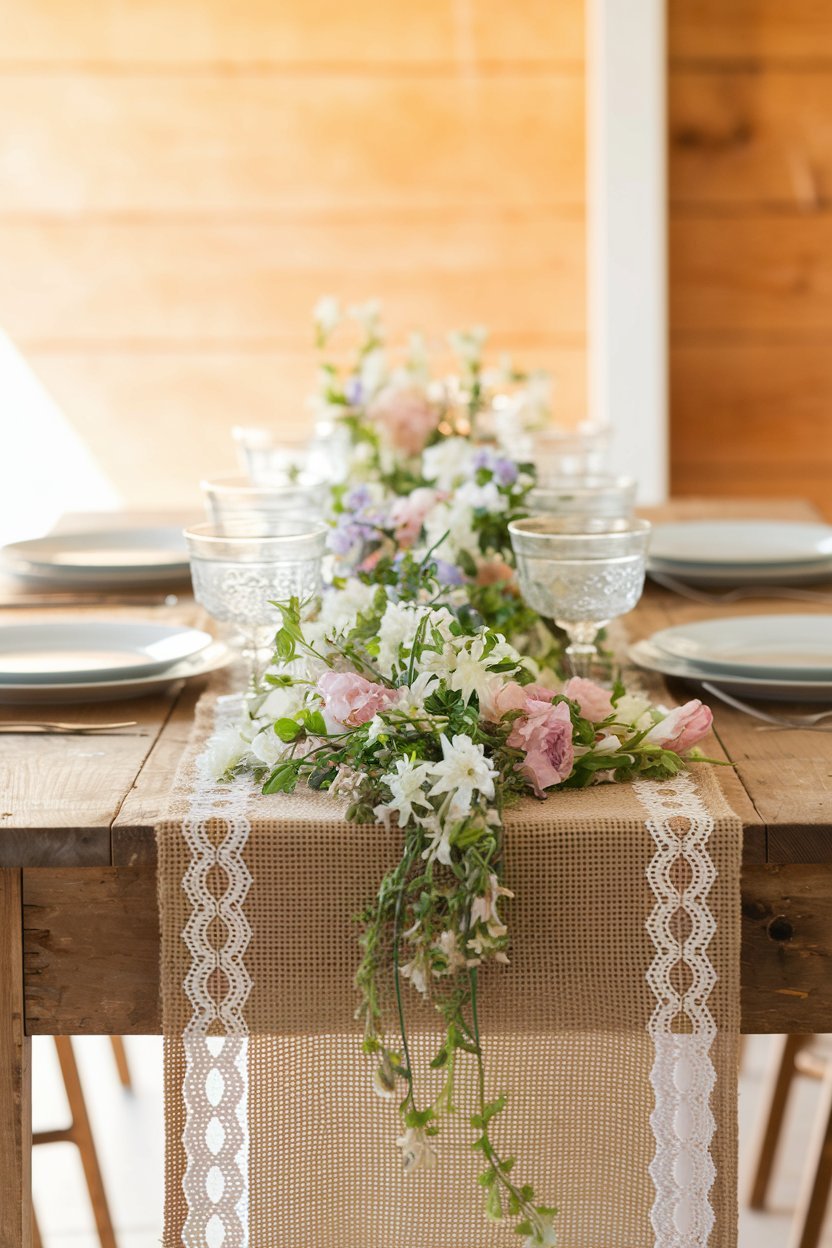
[613, 1031]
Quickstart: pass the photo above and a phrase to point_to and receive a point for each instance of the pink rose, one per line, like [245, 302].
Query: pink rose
[545, 733]
[509, 696]
[594, 701]
[351, 700]
[406, 416]
[683, 728]
[408, 514]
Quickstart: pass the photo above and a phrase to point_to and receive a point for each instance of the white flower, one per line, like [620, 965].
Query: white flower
[224, 750]
[487, 497]
[406, 786]
[634, 709]
[397, 628]
[448, 944]
[373, 371]
[376, 729]
[484, 909]
[447, 461]
[417, 972]
[470, 676]
[340, 608]
[283, 701]
[417, 1153]
[268, 747]
[439, 848]
[412, 698]
[462, 769]
[326, 315]
[454, 524]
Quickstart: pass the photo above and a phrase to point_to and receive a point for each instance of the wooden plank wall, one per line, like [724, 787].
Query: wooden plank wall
[751, 247]
[180, 180]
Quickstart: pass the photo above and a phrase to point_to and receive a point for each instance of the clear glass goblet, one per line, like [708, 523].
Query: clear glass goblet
[558, 453]
[606, 496]
[580, 572]
[236, 505]
[237, 576]
[271, 458]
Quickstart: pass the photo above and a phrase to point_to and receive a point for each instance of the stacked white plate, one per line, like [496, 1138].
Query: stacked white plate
[742, 552]
[91, 661]
[784, 657]
[120, 558]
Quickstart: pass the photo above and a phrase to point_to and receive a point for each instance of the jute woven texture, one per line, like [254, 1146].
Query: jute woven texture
[565, 1026]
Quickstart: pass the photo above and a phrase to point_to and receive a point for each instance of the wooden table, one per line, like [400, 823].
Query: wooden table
[78, 923]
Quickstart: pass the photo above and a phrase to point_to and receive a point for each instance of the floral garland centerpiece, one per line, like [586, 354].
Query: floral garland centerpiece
[428, 721]
[433, 465]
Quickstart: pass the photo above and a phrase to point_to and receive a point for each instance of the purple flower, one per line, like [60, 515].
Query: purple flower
[448, 573]
[353, 391]
[505, 471]
[358, 498]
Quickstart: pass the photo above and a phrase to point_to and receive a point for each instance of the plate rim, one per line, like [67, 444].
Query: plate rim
[816, 556]
[223, 656]
[808, 671]
[746, 681]
[156, 666]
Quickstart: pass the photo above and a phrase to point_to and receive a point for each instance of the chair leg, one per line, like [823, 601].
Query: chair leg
[122, 1065]
[774, 1098]
[37, 1242]
[817, 1175]
[81, 1134]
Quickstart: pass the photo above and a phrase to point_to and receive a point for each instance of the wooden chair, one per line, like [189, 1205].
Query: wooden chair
[79, 1132]
[793, 1056]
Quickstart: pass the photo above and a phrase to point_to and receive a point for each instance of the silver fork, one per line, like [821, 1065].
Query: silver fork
[711, 598]
[809, 723]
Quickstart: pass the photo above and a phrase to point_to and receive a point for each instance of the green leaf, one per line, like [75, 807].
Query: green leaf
[524, 1228]
[494, 1204]
[288, 729]
[283, 779]
[315, 723]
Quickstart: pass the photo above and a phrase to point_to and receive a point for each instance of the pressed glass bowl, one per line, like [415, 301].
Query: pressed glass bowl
[605, 496]
[580, 572]
[236, 505]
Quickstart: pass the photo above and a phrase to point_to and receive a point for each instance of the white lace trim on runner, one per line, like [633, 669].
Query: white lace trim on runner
[681, 926]
[215, 1089]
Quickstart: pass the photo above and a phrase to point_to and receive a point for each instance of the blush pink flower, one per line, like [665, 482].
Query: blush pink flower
[545, 733]
[351, 700]
[408, 514]
[508, 696]
[595, 702]
[683, 728]
[495, 572]
[406, 415]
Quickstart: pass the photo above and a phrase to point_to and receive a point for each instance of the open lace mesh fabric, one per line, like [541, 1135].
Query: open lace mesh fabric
[613, 1031]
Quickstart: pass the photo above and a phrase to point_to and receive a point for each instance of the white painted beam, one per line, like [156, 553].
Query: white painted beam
[627, 235]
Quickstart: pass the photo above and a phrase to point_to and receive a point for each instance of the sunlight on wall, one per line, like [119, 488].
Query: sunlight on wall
[45, 469]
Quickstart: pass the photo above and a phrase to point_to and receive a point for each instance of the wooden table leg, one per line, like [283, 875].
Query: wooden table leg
[15, 1073]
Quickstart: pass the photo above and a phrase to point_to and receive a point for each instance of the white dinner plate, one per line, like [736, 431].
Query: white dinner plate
[113, 557]
[90, 650]
[778, 646]
[209, 660]
[645, 654]
[740, 543]
[734, 576]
